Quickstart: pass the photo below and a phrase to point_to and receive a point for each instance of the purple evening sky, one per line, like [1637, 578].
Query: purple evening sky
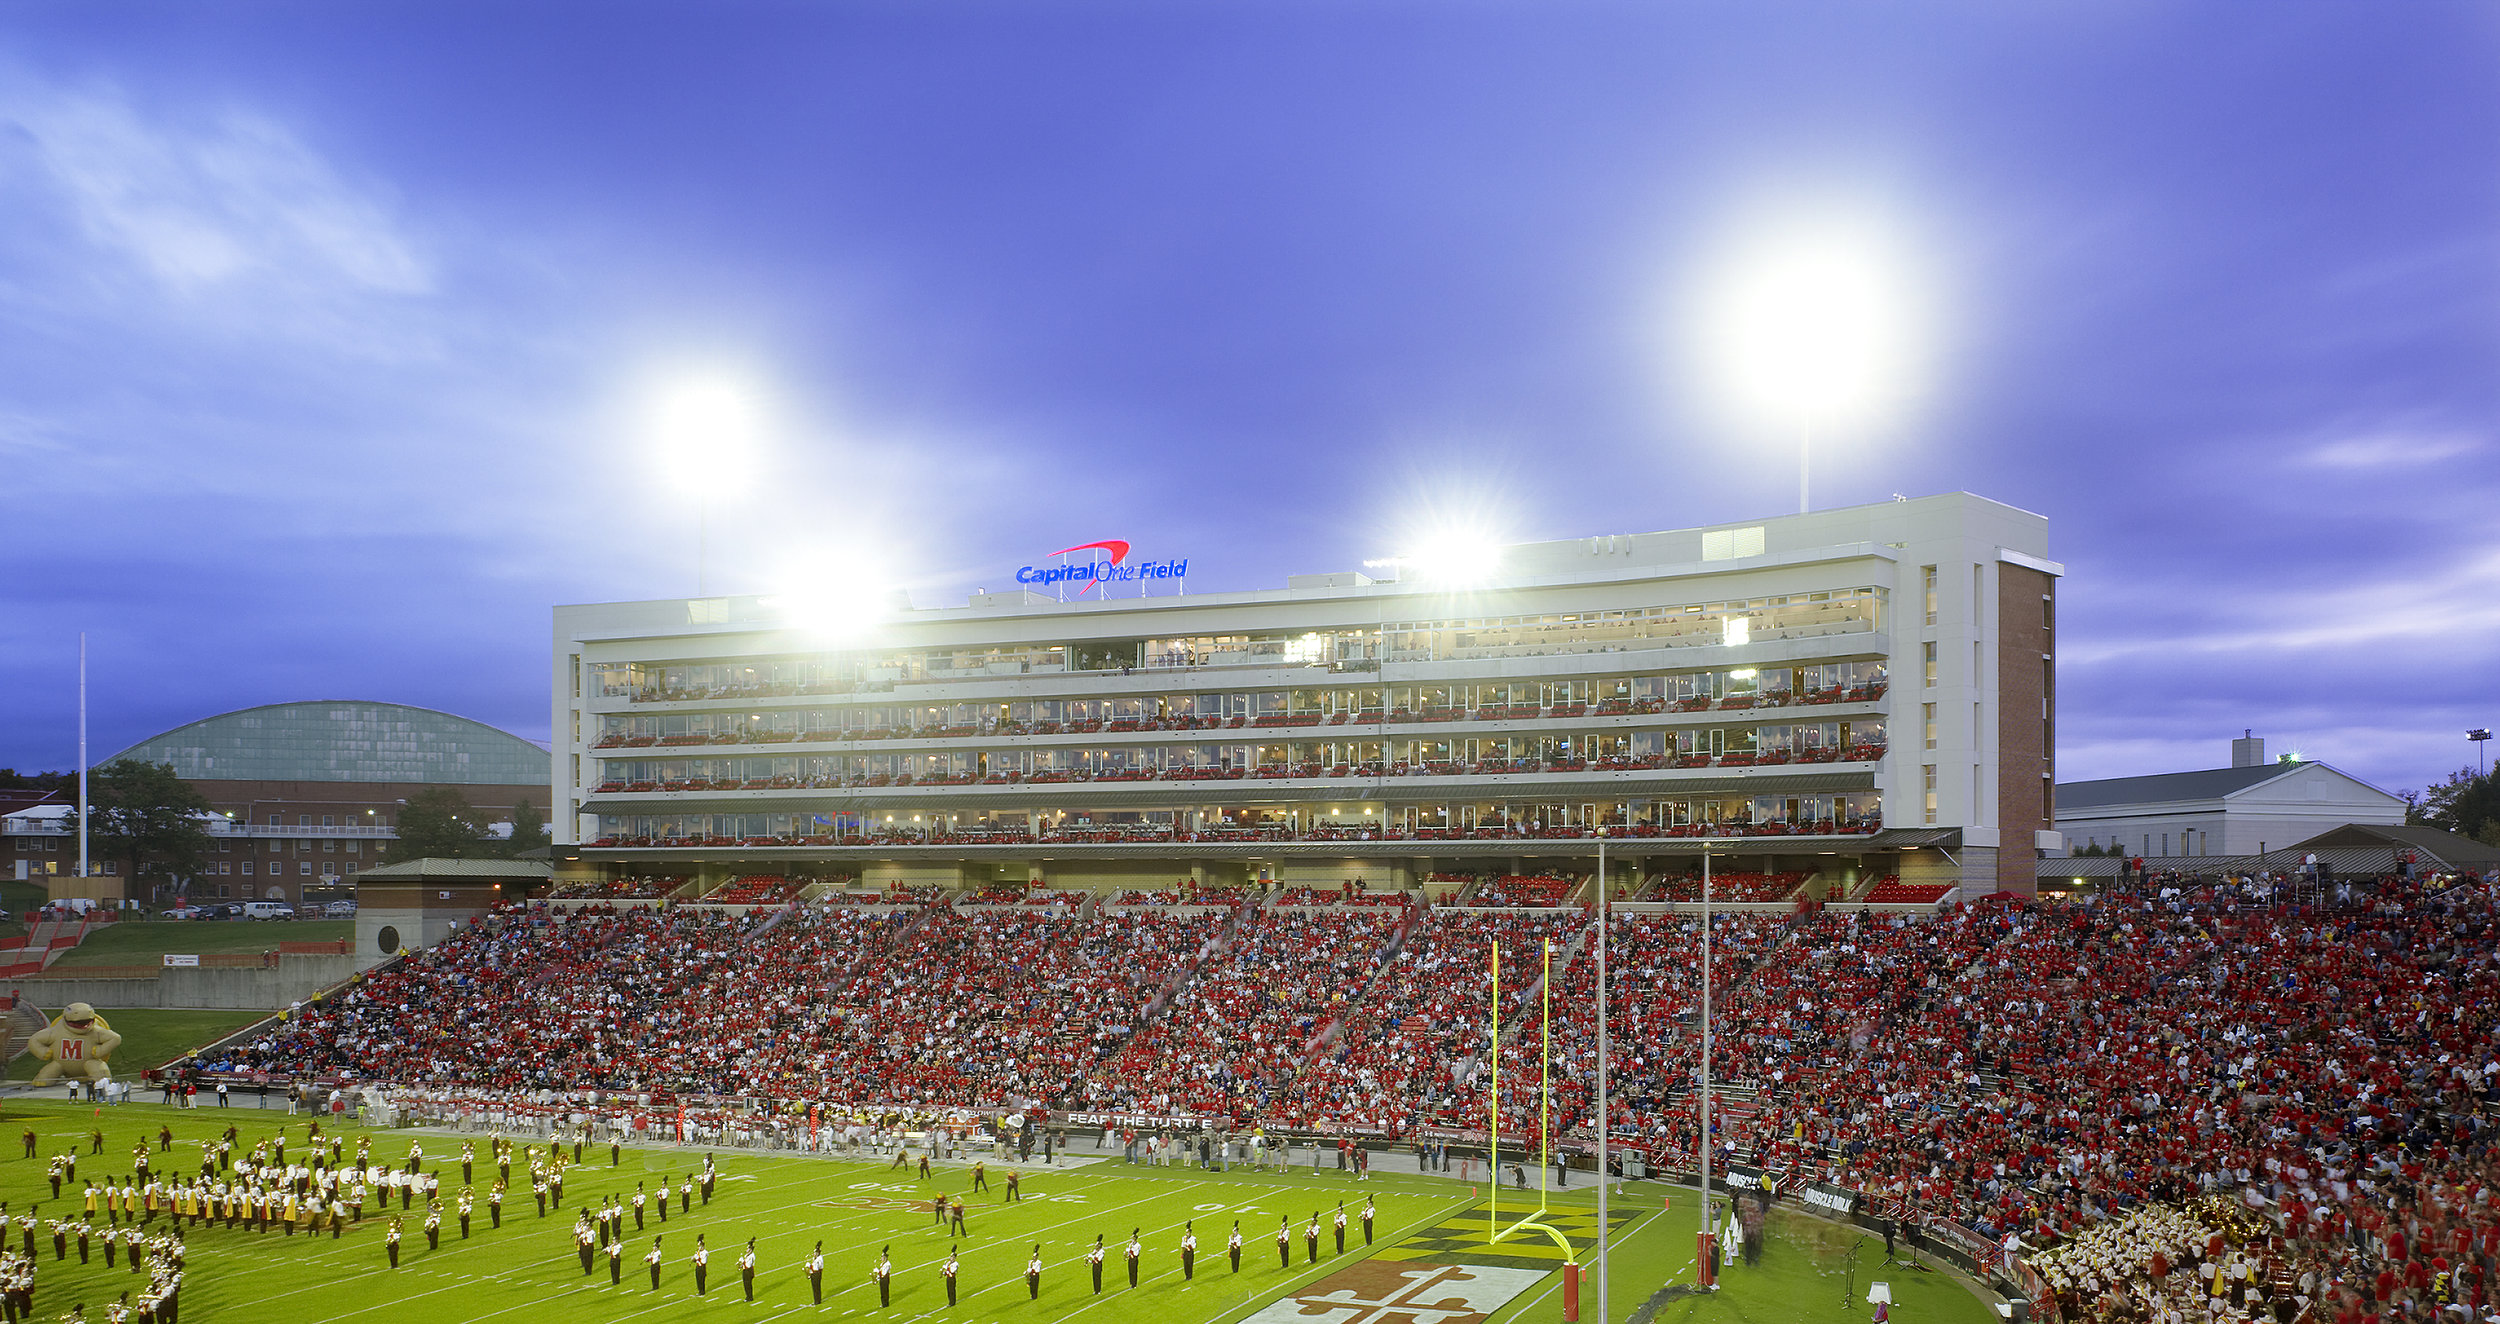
[324, 329]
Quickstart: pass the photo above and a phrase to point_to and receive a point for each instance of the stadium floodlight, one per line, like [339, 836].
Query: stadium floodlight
[706, 428]
[1453, 558]
[1816, 326]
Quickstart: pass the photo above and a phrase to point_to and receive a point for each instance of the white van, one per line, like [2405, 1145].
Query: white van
[268, 910]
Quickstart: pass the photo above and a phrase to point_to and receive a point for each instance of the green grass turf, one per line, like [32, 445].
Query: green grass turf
[142, 942]
[151, 1038]
[1804, 1270]
[526, 1273]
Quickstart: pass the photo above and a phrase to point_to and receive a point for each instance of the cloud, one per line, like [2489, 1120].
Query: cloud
[2388, 450]
[2444, 605]
[226, 203]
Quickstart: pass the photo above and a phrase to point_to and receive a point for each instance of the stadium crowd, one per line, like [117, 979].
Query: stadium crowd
[2047, 1076]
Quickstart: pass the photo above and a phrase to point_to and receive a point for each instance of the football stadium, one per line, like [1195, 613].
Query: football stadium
[1628, 928]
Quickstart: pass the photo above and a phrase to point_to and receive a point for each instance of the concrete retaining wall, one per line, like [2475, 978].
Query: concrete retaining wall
[194, 988]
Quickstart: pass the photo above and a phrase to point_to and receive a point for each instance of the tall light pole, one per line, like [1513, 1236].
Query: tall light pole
[1817, 323]
[2479, 735]
[706, 428]
[1605, 894]
[1705, 1039]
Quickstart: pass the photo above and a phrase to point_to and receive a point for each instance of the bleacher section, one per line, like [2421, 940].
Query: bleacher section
[755, 889]
[1890, 890]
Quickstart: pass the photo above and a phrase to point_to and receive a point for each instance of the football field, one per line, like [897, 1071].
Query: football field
[1429, 1261]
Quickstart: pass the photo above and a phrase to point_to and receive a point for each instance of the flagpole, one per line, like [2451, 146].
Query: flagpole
[82, 753]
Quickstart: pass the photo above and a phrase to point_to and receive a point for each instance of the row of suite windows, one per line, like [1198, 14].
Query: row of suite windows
[1600, 696]
[302, 845]
[1858, 807]
[109, 868]
[303, 868]
[1799, 615]
[1809, 740]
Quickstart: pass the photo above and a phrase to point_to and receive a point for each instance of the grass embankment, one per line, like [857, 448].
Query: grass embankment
[150, 1038]
[144, 942]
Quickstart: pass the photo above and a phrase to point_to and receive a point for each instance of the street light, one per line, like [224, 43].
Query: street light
[2479, 735]
[1819, 325]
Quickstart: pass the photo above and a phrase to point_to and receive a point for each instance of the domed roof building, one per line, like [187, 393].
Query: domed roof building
[346, 741]
[308, 793]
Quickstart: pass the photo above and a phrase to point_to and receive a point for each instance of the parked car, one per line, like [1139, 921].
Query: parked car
[334, 910]
[222, 910]
[268, 910]
[184, 910]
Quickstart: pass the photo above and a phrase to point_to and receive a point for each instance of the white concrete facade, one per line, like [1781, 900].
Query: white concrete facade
[1851, 663]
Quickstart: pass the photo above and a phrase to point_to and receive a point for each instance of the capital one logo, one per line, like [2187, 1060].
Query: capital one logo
[1116, 569]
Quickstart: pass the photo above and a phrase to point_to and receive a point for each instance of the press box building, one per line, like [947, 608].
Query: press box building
[1863, 690]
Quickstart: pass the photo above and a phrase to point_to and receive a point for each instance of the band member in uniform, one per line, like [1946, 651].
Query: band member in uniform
[464, 1206]
[1340, 1227]
[1094, 1258]
[662, 1202]
[494, 1205]
[1284, 1241]
[584, 1238]
[652, 1258]
[640, 1199]
[816, 1273]
[616, 1264]
[955, 1218]
[702, 1263]
[1367, 1220]
[1133, 1249]
[885, 1276]
[746, 1269]
[948, 1269]
[980, 1175]
[1013, 1193]
[1033, 1274]
[433, 1227]
[390, 1240]
[710, 1175]
[685, 1195]
[1189, 1251]
[1310, 1237]
[1232, 1245]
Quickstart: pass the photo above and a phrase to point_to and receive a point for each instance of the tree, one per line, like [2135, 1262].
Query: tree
[529, 831]
[148, 818]
[2467, 804]
[438, 824]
